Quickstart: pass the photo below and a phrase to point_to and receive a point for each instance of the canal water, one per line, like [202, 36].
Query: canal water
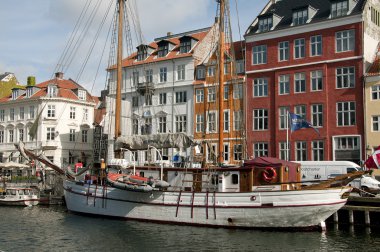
[54, 229]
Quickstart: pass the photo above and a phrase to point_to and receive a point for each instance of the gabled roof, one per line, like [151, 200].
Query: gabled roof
[284, 9]
[374, 69]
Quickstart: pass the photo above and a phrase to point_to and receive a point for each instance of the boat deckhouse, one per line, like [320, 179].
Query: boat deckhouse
[54, 117]
[309, 58]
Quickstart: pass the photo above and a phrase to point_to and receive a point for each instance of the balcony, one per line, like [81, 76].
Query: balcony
[145, 88]
[49, 145]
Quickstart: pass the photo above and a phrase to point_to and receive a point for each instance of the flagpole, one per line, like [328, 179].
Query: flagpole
[287, 135]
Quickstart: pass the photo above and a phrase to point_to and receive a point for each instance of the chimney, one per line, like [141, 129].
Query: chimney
[59, 75]
[31, 81]
[169, 34]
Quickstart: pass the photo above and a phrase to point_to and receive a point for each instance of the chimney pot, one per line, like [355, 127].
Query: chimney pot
[59, 75]
[169, 33]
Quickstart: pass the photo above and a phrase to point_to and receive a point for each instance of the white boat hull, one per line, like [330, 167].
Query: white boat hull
[265, 209]
[19, 201]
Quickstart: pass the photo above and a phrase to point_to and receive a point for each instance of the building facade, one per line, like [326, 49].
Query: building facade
[309, 59]
[54, 117]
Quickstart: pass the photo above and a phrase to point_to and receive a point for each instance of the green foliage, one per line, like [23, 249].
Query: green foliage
[6, 87]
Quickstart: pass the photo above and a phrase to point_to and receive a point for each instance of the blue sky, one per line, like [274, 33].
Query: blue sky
[34, 33]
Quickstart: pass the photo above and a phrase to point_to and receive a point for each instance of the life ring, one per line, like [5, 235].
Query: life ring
[269, 174]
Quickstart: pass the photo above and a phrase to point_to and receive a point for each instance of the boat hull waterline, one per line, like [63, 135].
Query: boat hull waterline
[264, 209]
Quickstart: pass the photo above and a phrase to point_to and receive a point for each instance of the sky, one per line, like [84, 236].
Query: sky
[35, 33]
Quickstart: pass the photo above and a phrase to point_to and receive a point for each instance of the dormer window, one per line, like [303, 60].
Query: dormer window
[52, 91]
[300, 16]
[15, 94]
[265, 23]
[29, 91]
[163, 50]
[185, 46]
[142, 53]
[82, 95]
[339, 8]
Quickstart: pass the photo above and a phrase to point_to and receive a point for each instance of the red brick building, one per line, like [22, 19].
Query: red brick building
[308, 58]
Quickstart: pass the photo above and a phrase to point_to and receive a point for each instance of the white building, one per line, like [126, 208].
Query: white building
[157, 87]
[64, 112]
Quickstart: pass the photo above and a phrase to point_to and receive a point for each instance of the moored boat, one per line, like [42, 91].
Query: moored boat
[19, 196]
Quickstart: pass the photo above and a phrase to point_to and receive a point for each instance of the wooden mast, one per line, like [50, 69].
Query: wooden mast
[119, 70]
[221, 80]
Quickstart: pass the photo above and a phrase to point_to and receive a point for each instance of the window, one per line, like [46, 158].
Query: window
[199, 95]
[284, 84]
[283, 51]
[50, 133]
[226, 91]
[260, 54]
[299, 48]
[82, 95]
[163, 50]
[148, 100]
[238, 91]
[135, 127]
[260, 149]
[185, 46]
[375, 93]
[283, 151]
[238, 120]
[345, 41]
[345, 77]
[181, 72]
[149, 76]
[240, 66]
[211, 94]
[22, 113]
[135, 101]
[316, 45]
[346, 114]
[72, 135]
[235, 179]
[211, 153]
[142, 53]
[85, 114]
[300, 17]
[226, 152]
[339, 8]
[84, 136]
[301, 151]
[317, 115]
[375, 123]
[265, 24]
[1, 136]
[180, 123]
[299, 83]
[21, 134]
[347, 143]
[199, 123]
[300, 110]
[260, 119]
[52, 90]
[2, 115]
[11, 114]
[51, 111]
[72, 112]
[11, 135]
[211, 122]
[260, 87]
[317, 152]
[226, 68]
[180, 97]
[162, 124]
[375, 16]
[163, 74]
[162, 99]
[29, 91]
[211, 71]
[238, 152]
[31, 112]
[135, 78]
[316, 80]
[283, 113]
[226, 120]
[201, 73]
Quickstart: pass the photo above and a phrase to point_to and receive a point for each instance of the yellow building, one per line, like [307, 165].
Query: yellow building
[372, 105]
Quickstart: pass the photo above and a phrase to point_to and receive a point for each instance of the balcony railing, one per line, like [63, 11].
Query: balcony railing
[145, 88]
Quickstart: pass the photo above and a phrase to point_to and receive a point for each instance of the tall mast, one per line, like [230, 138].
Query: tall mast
[221, 80]
[119, 69]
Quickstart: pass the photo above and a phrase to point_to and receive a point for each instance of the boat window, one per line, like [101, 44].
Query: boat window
[351, 169]
[141, 174]
[12, 192]
[214, 179]
[21, 192]
[235, 179]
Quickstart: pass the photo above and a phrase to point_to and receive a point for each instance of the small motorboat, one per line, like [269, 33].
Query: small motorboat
[19, 196]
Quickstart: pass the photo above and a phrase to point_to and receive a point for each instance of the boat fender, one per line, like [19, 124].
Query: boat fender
[269, 174]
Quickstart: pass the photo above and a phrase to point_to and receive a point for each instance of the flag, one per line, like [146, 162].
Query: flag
[33, 129]
[373, 161]
[297, 122]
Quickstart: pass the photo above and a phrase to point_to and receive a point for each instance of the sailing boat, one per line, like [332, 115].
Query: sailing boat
[263, 193]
